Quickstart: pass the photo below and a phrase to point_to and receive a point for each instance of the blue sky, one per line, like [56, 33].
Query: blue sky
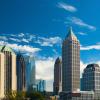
[38, 27]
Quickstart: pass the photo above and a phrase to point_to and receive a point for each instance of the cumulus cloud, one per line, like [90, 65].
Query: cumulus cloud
[44, 70]
[23, 48]
[14, 39]
[82, 66]
[66, 7]
[21, 34]
[96, 47]
[79, 22]
[49, 41]
[3, 38]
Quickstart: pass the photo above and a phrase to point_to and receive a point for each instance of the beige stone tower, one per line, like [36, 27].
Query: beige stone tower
[7, 70]
[70, 63]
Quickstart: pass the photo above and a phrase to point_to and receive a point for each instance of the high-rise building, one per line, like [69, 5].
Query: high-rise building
[7, 70]
[33, 71]
[21, 72]
[70, 63]
[71, 73]
[30, 72]
[91, 78]
[57, 76]
[41, 85]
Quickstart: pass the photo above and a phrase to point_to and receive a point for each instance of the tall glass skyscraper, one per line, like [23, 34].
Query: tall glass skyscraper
[30, 71]
[70, 63]
[21, 72]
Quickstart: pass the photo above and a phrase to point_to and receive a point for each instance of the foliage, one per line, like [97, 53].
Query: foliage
[35, 96]
[21, 95]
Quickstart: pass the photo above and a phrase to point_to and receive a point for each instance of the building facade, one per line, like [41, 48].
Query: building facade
[90, 81]
[21, 73]
[41, 85]
[70, 63]
[91, 78]
[30, 72]
[8, 77]
[57, 76]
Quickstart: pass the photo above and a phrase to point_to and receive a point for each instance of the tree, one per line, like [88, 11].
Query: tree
[34, 96]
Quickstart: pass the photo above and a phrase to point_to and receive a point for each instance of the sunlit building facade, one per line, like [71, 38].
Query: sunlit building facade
[8, 77]
[70, 63]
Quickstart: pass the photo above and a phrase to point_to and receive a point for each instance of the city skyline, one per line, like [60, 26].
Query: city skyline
[38, 27]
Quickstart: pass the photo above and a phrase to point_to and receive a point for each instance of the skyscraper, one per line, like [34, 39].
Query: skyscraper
[57, 76]
[41, 85]
[91, 78]
[33, 71]
[21, 72]
[70, 63]
[30, 71]
[7, 70]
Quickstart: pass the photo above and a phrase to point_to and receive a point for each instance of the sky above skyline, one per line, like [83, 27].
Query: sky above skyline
[38, 27]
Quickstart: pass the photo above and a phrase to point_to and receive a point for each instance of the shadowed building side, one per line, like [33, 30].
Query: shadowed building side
[91, 78]
[57, 76]
[21, 70]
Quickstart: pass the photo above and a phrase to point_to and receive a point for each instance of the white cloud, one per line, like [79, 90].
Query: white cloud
[23, 48]
[44, 70]
[3, 38]
[25, 40]
[49, 41]
[82, 66]
[77, 21]
[96, 47]
[66, 7]
[21, 34]
[16, 40]
[82, 33]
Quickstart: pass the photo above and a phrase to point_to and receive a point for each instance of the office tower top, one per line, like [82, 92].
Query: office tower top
[71, 35]
[91, 78]
[70, 63]
[57, 76]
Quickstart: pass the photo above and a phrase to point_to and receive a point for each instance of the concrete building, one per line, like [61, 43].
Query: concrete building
[81, 95]
[41, 85]
[71, 71]
[8, 78]
[70, 63]
[91, 78]
[21, 72]
[57, 85]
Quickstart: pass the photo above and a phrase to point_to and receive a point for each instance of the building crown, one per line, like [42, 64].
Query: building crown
[71, 35]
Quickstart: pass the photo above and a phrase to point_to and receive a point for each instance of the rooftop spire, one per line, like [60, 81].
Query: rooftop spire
[71, 35]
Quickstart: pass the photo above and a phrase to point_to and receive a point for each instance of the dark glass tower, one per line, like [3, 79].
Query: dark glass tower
[21, 70]
[57, 76]
[70, 63]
